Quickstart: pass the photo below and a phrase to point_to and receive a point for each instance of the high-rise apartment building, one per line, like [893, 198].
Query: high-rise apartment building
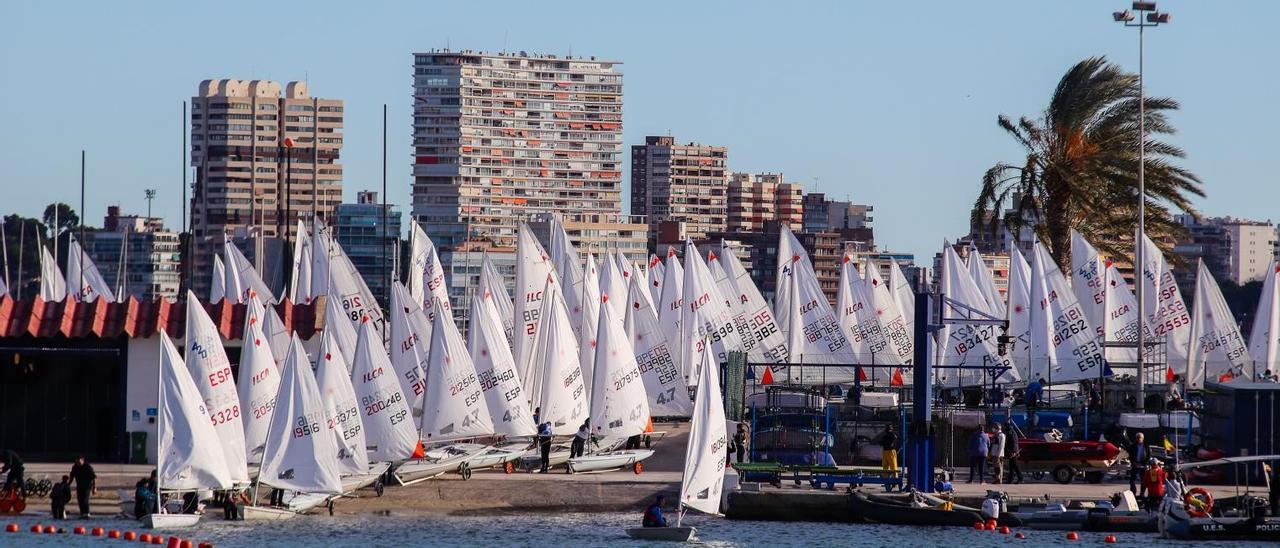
[1238, 250]
[264, 157]
[625, 234]
[136, 256]
[757, 198]
[674, 183]
[500, 137]
[359, 229]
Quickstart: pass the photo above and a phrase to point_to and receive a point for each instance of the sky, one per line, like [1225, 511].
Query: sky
[887, 103]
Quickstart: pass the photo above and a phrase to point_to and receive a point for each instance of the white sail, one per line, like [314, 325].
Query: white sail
[233, 290]
[532, 269]
[1121, 321]
[302, 452]
[320, 259]
[258, 381]
[708, 446]
[494, 287]
[589, 315]
[53, 287]
[671, 308]
[892, 344]
[342, 409]
[343, 282]
[85, 276]
[247, 278]
[558, 391]
[417, 267]
[1167, 315]
[1087, 281]
[211, 370]
[218, 283]
[986, 282]
[340, 325]
[277, 335]
[389, 432]
[762, 325]
[613, 281]
[654, 276]
[566, 261]
[655, 358]
[300, 279]
[968, 344]
[814, 336]
[850, 300]
[1264, 339]
[430, 286]
[1019, 313]
[455, 407]
[1218, 352]
[496, 370]
[186, 445]
[409, 349]
[904, 296]
[619, 406]
[705, 317]
[1064, 347]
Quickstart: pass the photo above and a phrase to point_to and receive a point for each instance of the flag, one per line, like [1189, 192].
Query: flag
[1169, 374]
[768, 376]
[897, 377]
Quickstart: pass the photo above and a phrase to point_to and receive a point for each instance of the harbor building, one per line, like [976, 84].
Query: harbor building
[265, 156]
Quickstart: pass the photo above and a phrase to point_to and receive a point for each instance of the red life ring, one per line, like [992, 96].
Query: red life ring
[1199, 502]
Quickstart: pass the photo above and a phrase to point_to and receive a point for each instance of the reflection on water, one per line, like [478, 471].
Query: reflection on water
[549, 529]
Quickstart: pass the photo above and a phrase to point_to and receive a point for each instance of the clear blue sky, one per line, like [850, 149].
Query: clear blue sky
[886, 106]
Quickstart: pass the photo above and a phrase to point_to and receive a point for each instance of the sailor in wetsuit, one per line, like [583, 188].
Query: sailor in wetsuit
[653, 514]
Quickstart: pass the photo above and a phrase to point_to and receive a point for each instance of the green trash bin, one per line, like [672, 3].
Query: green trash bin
[137, 447]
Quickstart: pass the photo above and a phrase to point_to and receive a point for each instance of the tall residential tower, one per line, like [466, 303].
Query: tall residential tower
[681, 189]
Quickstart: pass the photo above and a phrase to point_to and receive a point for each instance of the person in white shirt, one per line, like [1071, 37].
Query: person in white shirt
[997, 451]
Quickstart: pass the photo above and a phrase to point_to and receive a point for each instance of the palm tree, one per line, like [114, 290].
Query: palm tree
[1081, 166]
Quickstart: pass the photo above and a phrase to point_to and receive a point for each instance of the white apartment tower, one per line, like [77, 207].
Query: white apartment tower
[501, 137]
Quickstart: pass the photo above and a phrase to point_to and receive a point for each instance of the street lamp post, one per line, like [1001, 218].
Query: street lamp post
[1146, 16]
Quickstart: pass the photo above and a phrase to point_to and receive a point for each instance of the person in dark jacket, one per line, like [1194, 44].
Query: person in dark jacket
[579, 446]
[14, 466]
[59, 497]
[740, 443]
[979, 446]
[86, 484]
[653, 514]
[1013, 447]
[889, 450]
[544, 443]
[1139, 454]
[143, 498]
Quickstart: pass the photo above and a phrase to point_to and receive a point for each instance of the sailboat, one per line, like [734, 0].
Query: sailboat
[507, 401]
[301, 452]
[187, 455]
[619, 406]
[83, 275]
[704, 459]
[259, 381]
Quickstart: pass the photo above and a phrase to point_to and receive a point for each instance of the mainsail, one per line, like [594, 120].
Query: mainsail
[409, 349]
[557, 389]
[259, 380]
[1019, 313]
[300, 278]
[85, 276]
[532, 270]
[209, 367]
[390, 434]
[986, 282]
[708, 447]
[494, 287]
[972, 345]
[762, 326]
[1264, 339]
[245, 276]
[1167, 315]
[588, 313]
[342, 410]
[496, 369]
[1218, 352]
[619, 407]
[301, 453]
[1087, 281]
[455, 407]
[813, 332]
[1064, 347]
[218, 283]
[663, 380]
[187, 458]
[705, 317]
[53, 287]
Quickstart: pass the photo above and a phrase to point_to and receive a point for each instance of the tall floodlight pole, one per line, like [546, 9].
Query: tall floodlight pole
[1147, 16]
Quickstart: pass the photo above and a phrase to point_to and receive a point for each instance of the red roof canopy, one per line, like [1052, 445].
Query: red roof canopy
[134, 318]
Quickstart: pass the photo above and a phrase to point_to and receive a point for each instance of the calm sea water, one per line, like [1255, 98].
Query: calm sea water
[564, 530]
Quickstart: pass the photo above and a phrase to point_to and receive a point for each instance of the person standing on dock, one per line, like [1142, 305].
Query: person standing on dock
[889, 450]
[997, 451]
[1032, 397]
[978, 446]
[1013, 445]
[59, 497]
[740, 442]
[1153, 484]
[86, 484]
[579, 441]
[1138, 456]
[544, 443]
[14, 467]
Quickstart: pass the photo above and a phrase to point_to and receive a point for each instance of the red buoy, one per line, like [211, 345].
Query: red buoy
[1073, 535]
[1004, 530]
[175, 542]
[37, 528]
[1019, 535]
[78, 530]
[11, 528]
[97, 532]
[185, 544]
[144, 538]
[130, 535]
[158, 541]
[49, 529]
[1109, 539]
[978, 526]
[113, 533]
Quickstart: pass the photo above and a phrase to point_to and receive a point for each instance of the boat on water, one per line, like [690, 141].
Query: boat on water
[187, 447]
[1192, 514]
[908, 511]
[702, 480]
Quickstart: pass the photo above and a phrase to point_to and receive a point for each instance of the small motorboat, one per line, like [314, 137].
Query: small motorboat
[170, 521]
[908, 512]
[436, 462]
[1065, 458]
[610, 460]
[267, 513]
[1190, 514]
[666, 534]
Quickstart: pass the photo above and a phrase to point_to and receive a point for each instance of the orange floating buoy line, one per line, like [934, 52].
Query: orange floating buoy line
[97, 532]
[50, 529]
[1004, 530]
[113, 533]
[1073, 535]
[1019, 536]
[11, 528]
[145, 537]
[1109, 539]
[978, 526]
[130, 535]
[78, 530]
